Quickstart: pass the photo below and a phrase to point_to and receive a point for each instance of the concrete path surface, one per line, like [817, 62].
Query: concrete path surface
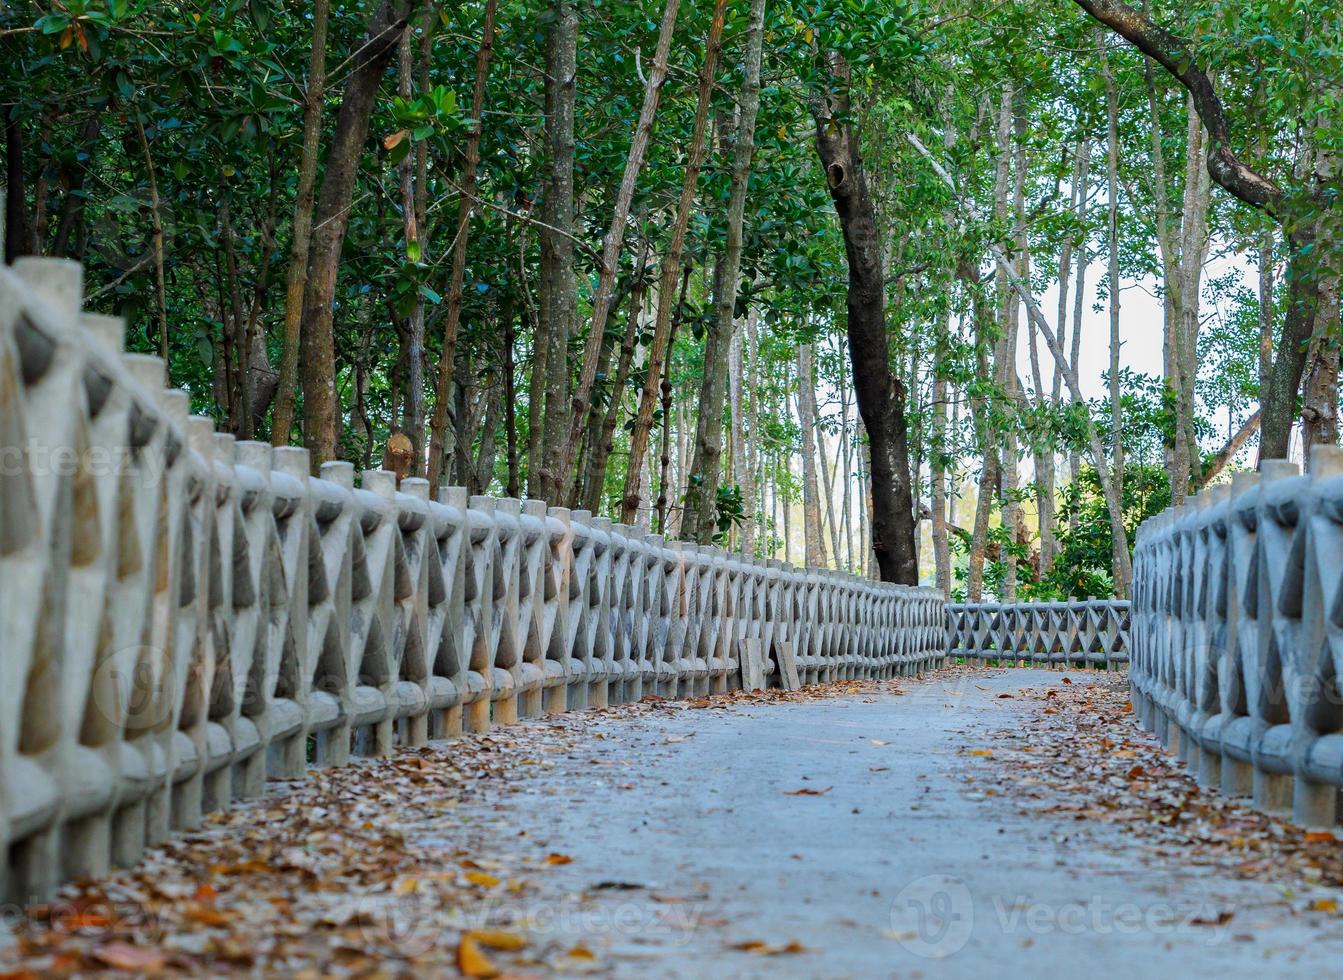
[694, 854]
[914, 828]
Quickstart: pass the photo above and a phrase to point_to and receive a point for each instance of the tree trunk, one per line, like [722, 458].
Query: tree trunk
[671, 268]
[599, 451]
[937, 467]
[282, 424]
[557, 243]
[745, 439]
[321, 406]
[813, 536]
[447, 361]
[881, 396]
[17, 234]
[702, 486]
[615, 236]
[665, 393]
[1117, 560]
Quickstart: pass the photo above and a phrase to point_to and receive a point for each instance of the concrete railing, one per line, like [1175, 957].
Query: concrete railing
[183, 616]
[1238, 635]
[1092, 633]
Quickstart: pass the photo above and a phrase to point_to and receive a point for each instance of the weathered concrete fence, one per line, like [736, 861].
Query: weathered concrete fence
[183, 616]
[1091, 633]
[1238, 635]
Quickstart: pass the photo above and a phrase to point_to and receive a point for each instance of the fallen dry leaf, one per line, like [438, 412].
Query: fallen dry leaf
[558, 859]
[472, 961]
[497, 939]
[133, 959]
[807, 791]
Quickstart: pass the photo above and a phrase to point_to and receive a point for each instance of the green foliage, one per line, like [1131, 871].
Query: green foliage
[1082, 567]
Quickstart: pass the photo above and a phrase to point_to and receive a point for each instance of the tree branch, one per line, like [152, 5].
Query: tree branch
[1175, 55]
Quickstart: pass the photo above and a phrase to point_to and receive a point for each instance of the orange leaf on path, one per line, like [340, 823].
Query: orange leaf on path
[472, 961]
[497, 939]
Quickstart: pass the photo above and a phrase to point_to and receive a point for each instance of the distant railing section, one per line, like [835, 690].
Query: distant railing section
[1091, 633]
[1238, 635]
[183, 616]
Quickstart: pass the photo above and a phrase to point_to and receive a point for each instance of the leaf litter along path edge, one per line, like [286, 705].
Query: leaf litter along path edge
[667, 839]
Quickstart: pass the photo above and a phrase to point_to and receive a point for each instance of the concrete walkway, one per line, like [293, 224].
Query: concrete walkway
[897, 859]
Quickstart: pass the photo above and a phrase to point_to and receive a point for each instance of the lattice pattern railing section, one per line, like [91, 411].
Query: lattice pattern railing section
[1092, 633]
[183, 616]
[1238, 635]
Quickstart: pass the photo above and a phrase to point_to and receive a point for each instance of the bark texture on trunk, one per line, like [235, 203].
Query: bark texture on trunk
[321, 406]
[560, 309]
[447, 361]
[615, 241]
[812, 533]
[671, 268]
[700, 521]
[282, 424]
[880, 394]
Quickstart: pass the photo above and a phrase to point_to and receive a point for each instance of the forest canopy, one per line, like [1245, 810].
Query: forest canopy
[945, 290]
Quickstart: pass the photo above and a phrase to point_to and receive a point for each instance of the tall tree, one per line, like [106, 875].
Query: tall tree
[880, 394]
[368, 64]
[700, 520]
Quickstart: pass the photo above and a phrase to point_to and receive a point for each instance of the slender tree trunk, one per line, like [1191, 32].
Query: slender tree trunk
[321, 406]
[599, 452]
[72, 209]
[700, 517]
[282, 424]
[665, 390]
[17, 235]
[880, 394]
[746, 438]
[1079, 297]
[507, 315]
[812, 533]
[447, 361]
[615, 235]
[156, 243]
[829, 475]
[671, 267]
[937, 468]
[1117, 560]
[560, 311]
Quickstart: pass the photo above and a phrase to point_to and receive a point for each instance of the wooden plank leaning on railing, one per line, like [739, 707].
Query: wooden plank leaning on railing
[183, 616]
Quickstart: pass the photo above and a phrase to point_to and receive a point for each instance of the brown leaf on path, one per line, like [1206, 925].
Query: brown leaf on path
[472, 961]
[1324, 905]
[980, 752]
[807, 791]
[1319, 837]
[133, 959]
[558, 859]
[482, 878]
